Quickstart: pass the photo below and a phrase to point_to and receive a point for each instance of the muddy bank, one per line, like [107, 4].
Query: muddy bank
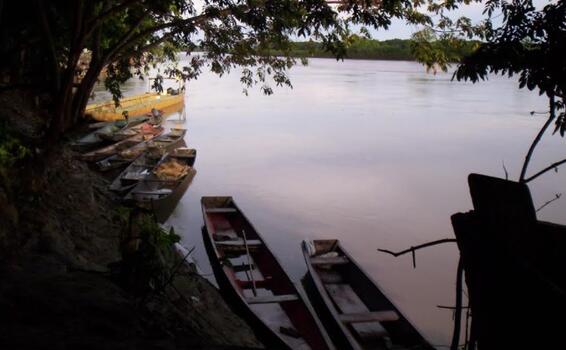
[59, 233]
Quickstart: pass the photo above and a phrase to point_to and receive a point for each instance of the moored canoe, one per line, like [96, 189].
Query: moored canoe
[254, 282]
[135, 106]
[163, 144]
[356, 312]
[162, 189]
[141, 135]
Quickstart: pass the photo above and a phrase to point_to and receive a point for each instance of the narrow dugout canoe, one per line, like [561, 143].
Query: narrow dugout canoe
[161, 190]
[104, 132]
[353, 308]
[135, 106]
[140, 169]
[165, 143]
[141, 135]
[254, 282]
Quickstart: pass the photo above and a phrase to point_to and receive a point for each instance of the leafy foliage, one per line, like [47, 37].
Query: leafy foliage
[147, 254]
[436, 53]
[11, 149]
[62, 47]
[515, 39]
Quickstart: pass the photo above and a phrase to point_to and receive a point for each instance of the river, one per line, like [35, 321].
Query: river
[374, 153]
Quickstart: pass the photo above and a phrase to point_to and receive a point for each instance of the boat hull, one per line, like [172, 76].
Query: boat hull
[161, 195]
[163, 208]
[135, 106]
[298, 310]
[118, 162]
[398, 331]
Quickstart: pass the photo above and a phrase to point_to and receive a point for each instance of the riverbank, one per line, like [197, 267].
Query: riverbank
[60, 238]
[388, 50]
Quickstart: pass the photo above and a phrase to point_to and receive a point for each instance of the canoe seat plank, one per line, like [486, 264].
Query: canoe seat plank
[379, 316]
[265, 284]
[225, 234]
[239, 242]
[268, 299]
[330, 277]
[348, 302]
[338, 260]
[243, 268]
[221, 210]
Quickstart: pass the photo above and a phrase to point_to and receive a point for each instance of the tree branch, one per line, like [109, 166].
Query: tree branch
[145, 48]
[536, 140]
[424, 245]
[412, 249]
[125, 39]
[180, 23]
[556, 197]
[97, 21]
[548, 168]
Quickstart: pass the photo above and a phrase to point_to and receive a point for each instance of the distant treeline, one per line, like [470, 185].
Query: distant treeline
[396, 49]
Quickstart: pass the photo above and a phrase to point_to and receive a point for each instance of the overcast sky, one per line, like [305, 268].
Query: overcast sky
[400, 30]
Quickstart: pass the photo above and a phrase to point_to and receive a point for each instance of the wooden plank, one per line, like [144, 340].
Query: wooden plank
[243, 268]
[221, 210]
[330, 277]
[226, 233]
[348, 302]
[269, 299]
[338, 260]
[258, 284]
[237, 249]
[379, 316]
[239, 242]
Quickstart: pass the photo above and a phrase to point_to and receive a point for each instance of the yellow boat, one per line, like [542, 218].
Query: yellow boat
[135, 106]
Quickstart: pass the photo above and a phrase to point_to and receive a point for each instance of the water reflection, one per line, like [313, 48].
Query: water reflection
[374, 153]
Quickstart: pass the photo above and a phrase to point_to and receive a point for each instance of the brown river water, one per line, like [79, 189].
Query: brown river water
[374, 153]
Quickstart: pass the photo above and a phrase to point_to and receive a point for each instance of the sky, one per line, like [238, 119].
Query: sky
[400, 30]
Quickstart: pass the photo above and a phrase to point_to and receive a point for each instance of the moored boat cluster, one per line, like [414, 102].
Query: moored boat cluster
[343, 308]
[153, 167]
[337, 306]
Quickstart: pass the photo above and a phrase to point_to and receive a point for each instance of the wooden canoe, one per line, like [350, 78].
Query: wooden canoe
[190, 154]
[163, 143]
[135, 106]
[161, 195]
[93, 138]
[103, 132]
[254, 282]
[141, 135]
[140, 168]
[353, 308]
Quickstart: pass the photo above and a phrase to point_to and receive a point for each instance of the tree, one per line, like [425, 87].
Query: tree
[517, 39]
[45, 42]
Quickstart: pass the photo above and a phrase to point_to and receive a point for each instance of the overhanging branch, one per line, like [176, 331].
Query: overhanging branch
[412, 249]
[97, 21]
[536, 141]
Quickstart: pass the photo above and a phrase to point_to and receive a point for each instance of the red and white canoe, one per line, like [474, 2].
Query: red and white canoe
[254, 282]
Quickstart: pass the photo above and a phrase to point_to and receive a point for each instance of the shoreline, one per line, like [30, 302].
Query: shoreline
[61, 247]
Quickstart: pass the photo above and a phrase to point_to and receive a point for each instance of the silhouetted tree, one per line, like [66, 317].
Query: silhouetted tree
[60, 47]
[517, 39]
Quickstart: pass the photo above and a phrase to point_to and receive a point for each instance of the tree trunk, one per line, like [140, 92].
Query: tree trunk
[63, 101]
[81, 96]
